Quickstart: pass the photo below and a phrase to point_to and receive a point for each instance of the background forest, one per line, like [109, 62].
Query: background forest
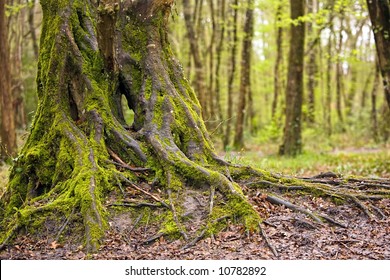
[236, 54]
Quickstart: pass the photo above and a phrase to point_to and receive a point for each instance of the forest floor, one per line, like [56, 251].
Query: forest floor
[291, 234]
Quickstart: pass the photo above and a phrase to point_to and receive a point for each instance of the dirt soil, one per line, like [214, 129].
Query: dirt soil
[291, 234]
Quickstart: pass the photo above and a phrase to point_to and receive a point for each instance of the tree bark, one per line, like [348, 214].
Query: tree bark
[199, 79]
[245, 83]
[232, 73]
[374, 114]
[312, 68]
[219, 50]
[279, 59]
[292, 142]
[380, 18]
[7, 128]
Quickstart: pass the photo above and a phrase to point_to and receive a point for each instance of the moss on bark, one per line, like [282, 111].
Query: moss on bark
[82, 164]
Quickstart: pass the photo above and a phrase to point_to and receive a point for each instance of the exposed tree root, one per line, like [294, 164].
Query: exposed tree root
[264, 234]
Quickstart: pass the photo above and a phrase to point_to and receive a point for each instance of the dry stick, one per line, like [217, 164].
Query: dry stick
[153, 238]
[125, 165]
[277, 200]
[202, 234]
[332, 221]
[64, 225]
[145, 192]
[134, 205]
[263, 233]
[136, 222]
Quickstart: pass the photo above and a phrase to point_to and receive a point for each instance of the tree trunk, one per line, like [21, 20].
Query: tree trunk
[328, 94]
[374, 114]
[81, 151]
[380, 19]
[218, 63]
[245, 83]
[279, 59]
[33, 33]
[199, 79]
[7, 128]
[292, 142]
[232, 73]
[312, 69]
[339, 69]
[16, 29]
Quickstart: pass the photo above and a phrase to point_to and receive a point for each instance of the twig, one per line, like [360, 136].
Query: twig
[153, 238]
[332, 221]
[136, 222]
[135, 205]
[145, 192]
[125, 165]
[202, 234]
[277, 200]
[64, 225]
[263, 233]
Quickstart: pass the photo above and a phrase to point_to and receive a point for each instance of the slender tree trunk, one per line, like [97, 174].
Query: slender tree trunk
[292, 142]
[328, 97]
[31, 23]
[232, 74]
[218, 62]
[380, 18]
[199, 79]
[245, 82]
[339, 70]
[7, 128]
[312, 69]
[374, 92]
[212, 101]
[16, 28]
[279, 58]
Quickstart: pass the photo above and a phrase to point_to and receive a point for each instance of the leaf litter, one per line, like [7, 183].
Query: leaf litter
[292, 234]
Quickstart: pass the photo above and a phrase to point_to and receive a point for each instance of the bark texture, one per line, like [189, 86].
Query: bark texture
[7, 128]
[245, 81]
[380, 19]
[292, 144]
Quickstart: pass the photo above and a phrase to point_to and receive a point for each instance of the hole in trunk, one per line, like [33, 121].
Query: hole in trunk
[128, 114]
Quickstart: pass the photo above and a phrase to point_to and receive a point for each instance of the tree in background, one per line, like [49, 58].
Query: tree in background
[292, 139]
[380, 18]
[245, 82]
[7, 128]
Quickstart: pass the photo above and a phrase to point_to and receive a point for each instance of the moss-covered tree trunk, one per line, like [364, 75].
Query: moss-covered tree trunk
[81, 149]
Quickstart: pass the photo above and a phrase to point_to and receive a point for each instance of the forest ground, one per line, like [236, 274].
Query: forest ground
[292, 234]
